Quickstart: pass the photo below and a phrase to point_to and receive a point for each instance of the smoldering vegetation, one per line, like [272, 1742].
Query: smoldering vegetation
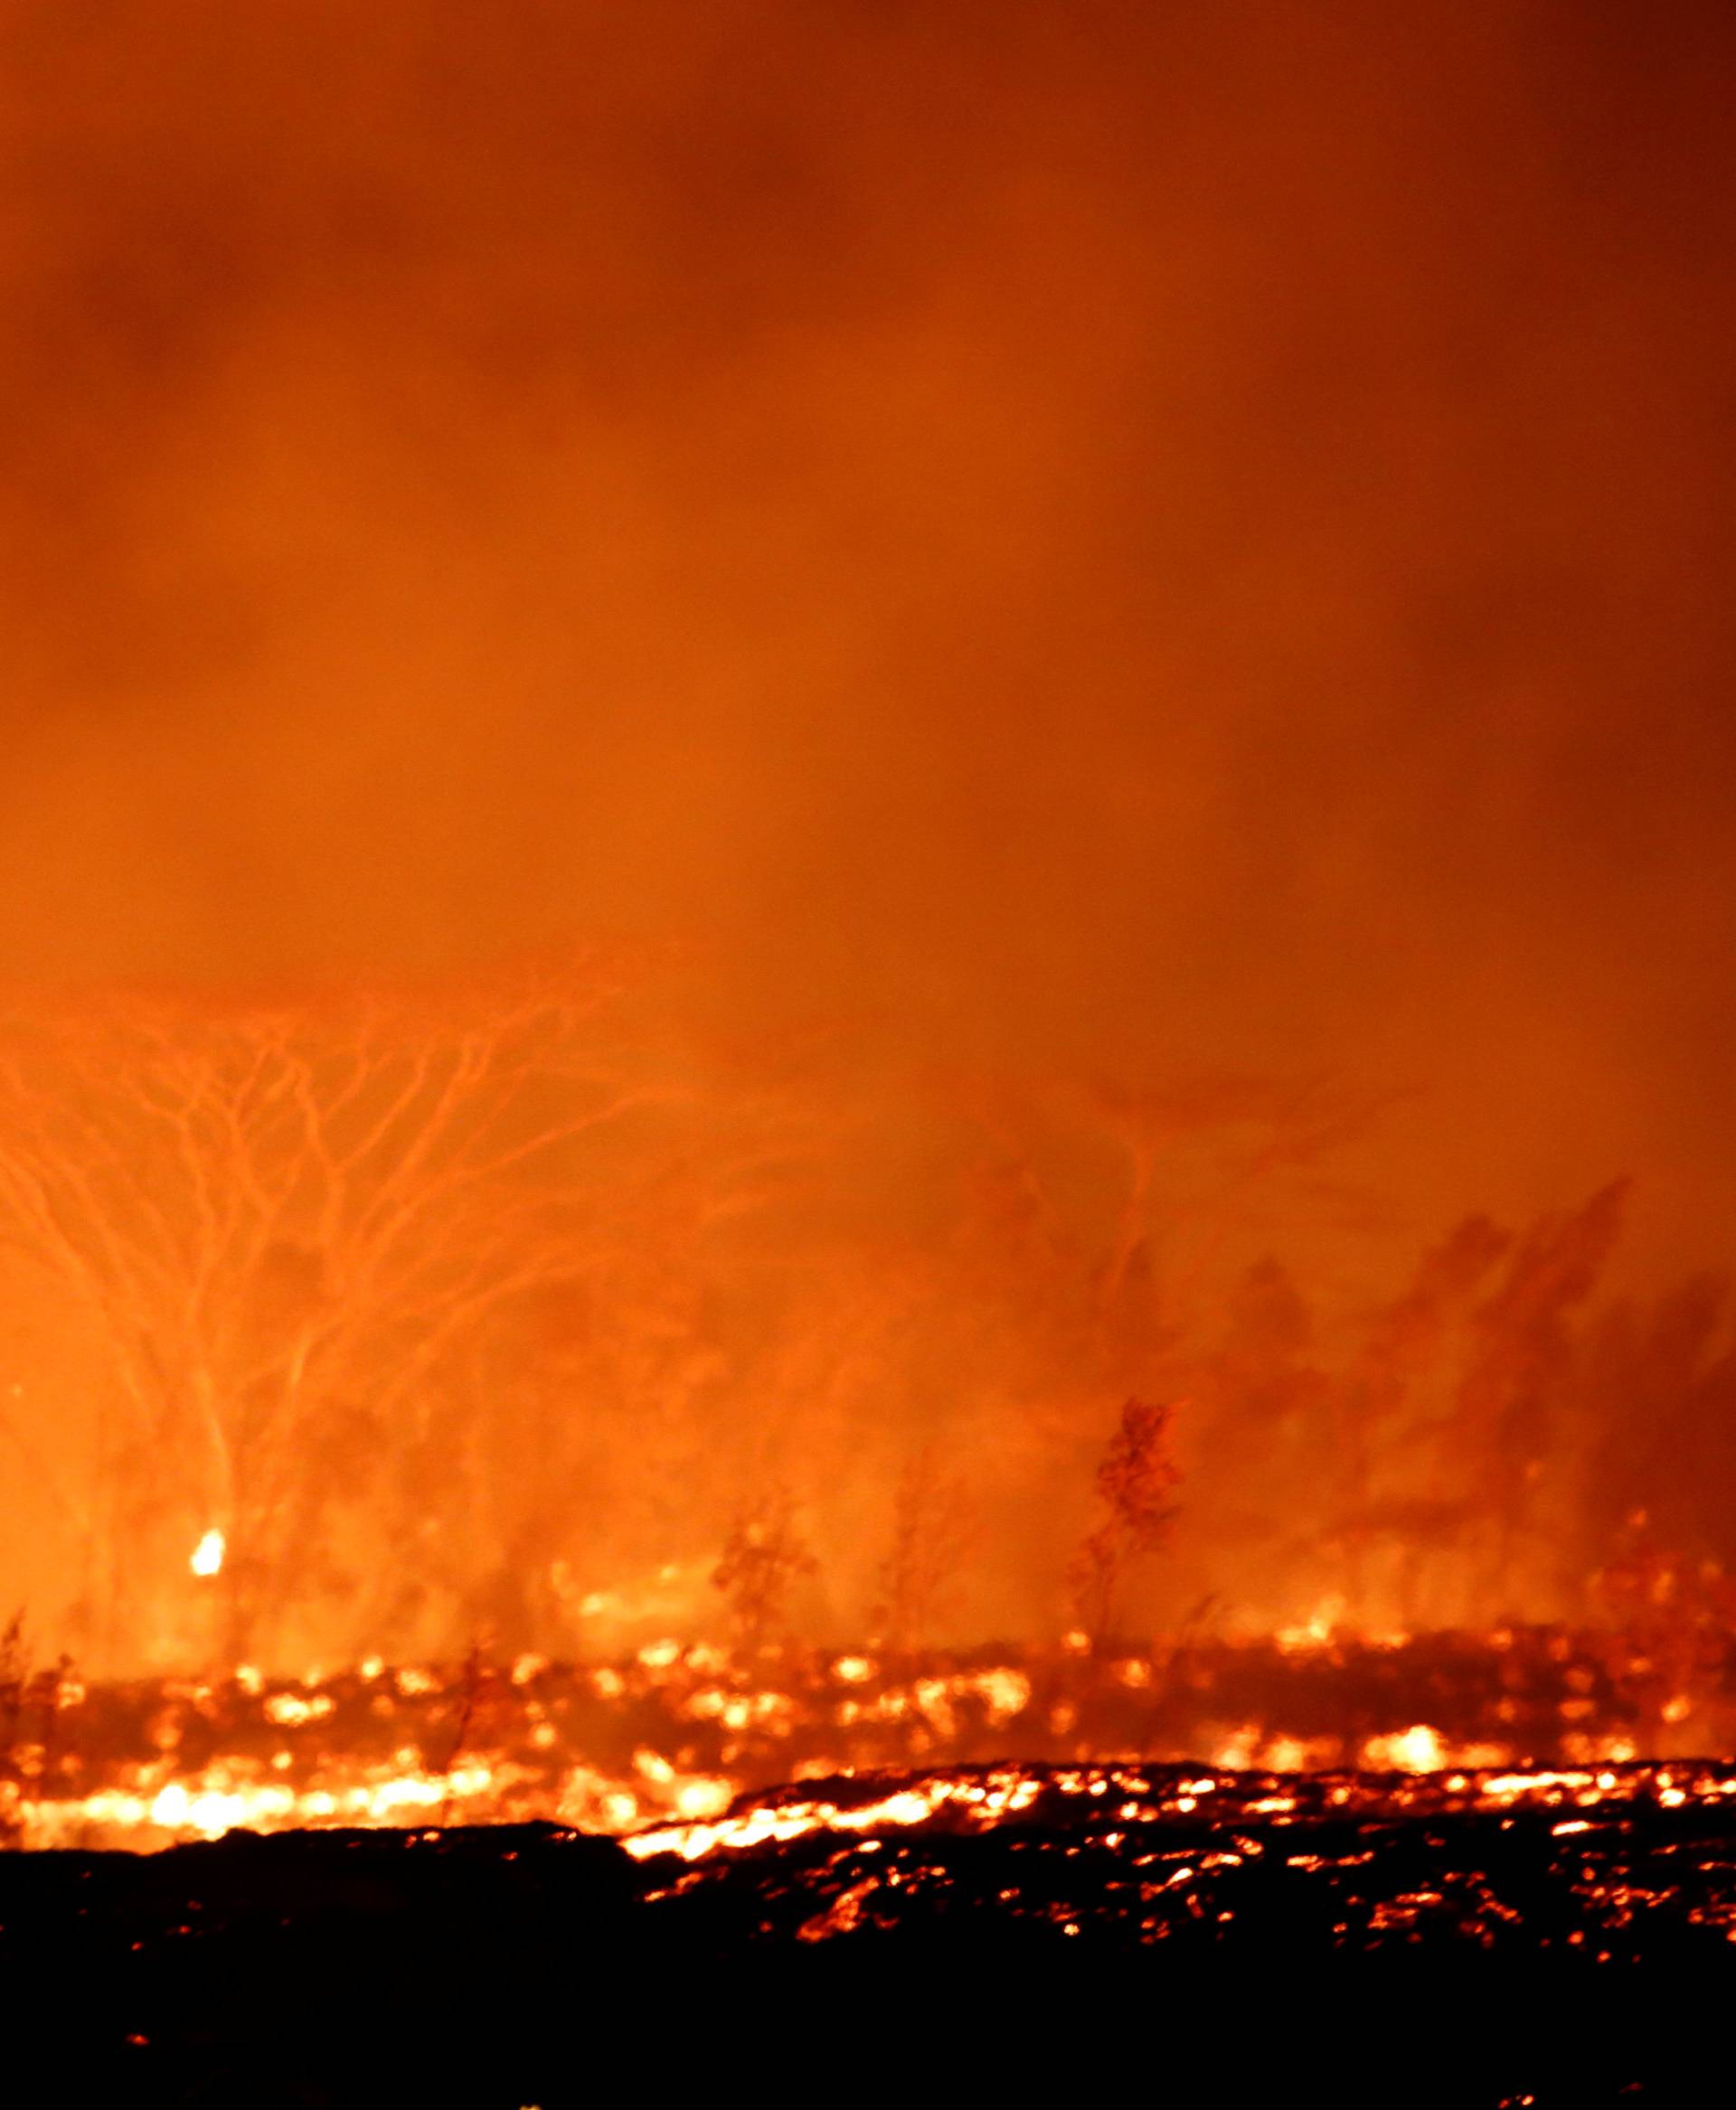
[401, 1325]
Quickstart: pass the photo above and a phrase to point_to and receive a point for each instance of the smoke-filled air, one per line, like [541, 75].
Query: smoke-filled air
[875, 828]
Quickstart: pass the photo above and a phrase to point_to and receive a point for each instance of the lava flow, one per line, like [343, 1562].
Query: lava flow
[678, 1733]
[1620, 1862]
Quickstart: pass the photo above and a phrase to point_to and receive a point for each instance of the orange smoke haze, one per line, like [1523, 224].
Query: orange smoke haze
[1060, 544]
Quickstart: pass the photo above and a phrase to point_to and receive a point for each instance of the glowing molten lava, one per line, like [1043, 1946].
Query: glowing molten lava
[673, 1735]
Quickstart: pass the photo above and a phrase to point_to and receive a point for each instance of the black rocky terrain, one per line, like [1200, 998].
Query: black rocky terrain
[1022, 1932]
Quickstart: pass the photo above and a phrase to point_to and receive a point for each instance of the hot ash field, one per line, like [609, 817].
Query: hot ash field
[496, 1871]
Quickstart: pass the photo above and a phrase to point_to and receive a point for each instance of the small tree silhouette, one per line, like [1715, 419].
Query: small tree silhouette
[1134, 1482]
[763, 1557]
[931, 1529]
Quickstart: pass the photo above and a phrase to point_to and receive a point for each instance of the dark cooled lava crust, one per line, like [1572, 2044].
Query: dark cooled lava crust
[1565, 1938]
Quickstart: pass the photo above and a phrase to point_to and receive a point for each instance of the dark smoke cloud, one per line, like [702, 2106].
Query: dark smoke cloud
[1089, 538]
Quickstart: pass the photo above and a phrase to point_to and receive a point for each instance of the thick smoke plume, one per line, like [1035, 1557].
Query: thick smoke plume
[1117, 618]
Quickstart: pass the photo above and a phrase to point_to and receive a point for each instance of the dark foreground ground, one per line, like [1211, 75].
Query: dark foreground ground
[1022, 1932]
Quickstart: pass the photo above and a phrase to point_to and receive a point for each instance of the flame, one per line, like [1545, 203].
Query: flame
[1317, 1630]
[1421, 1748]
[208, 1554]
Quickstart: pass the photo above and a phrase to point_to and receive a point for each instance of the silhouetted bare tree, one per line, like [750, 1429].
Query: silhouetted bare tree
[1135, 1482]
[931, 1529]
[764, 1557]
[278, 1222]
[1521, 1363]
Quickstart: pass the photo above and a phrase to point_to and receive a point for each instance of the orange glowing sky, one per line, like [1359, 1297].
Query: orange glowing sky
[1089, 537]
